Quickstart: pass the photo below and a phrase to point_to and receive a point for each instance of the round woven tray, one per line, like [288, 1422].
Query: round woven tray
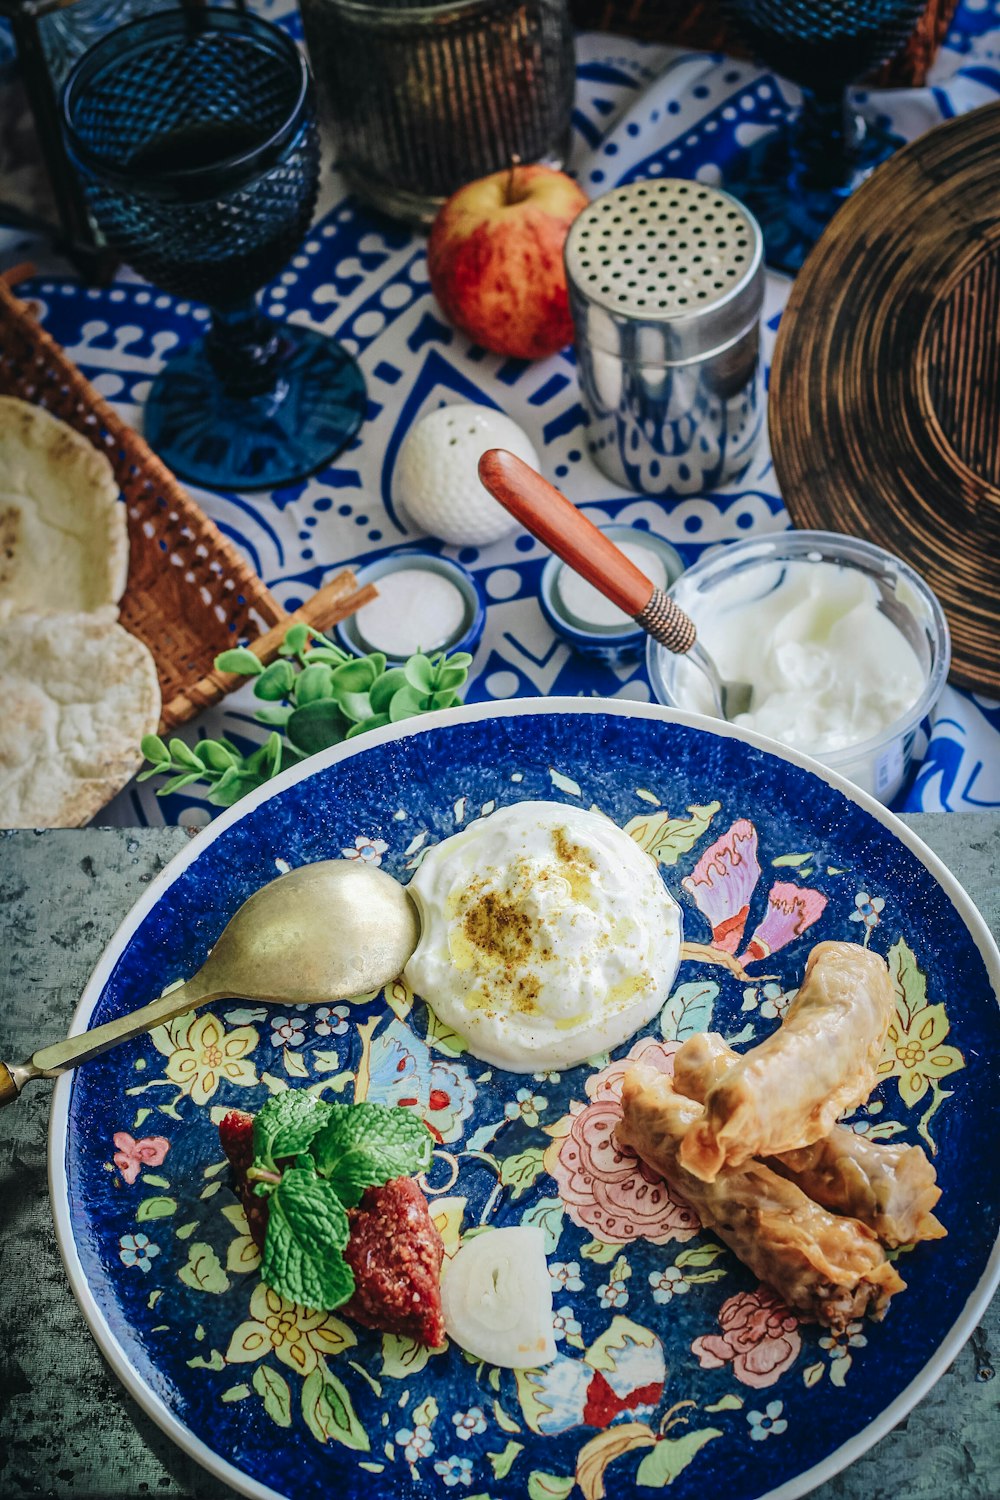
[884, 405]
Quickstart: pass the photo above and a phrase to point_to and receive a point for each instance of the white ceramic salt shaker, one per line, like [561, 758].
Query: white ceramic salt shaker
[437, 478]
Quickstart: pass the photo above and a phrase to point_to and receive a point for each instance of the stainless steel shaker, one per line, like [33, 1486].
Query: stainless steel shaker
[666, 284]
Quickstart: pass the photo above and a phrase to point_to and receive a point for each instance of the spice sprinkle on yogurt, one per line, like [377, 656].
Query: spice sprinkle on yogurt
[547, 935]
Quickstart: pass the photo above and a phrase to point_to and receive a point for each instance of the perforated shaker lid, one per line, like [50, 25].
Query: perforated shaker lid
[676, 256]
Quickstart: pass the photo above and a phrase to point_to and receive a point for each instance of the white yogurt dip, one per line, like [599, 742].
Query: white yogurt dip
[546, 935]
[828, 668]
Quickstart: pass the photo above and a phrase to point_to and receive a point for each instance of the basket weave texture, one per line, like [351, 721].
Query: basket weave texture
[699, 24]
[190, 594]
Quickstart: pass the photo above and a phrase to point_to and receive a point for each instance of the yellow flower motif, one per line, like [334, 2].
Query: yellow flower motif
[202, 1054]
[913, 1053]
[294, 1334]
[447, 1214]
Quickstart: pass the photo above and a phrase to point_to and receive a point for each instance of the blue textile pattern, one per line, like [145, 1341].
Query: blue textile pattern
[641, 111]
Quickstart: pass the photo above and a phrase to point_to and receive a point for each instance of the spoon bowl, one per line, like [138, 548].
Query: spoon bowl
[324, 932]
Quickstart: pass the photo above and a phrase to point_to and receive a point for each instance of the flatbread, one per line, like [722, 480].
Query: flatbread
[77, 694]
[63, 535]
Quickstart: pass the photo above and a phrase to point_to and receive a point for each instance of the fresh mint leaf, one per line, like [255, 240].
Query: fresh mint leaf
[307, 1227]
[364, 1145]
[286, 1125]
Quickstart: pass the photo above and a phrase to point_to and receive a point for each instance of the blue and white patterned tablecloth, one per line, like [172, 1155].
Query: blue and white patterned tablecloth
[641, 111]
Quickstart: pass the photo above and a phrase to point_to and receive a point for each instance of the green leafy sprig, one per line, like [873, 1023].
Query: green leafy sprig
[313, 1161]
[316, 695]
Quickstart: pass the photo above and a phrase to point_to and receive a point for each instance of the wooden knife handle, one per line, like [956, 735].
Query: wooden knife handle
[554, 520]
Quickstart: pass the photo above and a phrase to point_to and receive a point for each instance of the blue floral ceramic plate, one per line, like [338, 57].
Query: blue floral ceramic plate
[675, 1367]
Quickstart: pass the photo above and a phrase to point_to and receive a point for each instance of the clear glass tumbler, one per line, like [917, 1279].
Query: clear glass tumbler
[425, 98]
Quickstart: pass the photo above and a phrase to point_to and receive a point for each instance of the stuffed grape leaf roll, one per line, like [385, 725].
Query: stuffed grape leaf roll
[891, 1188]
[824, 1267]
[789, 1091]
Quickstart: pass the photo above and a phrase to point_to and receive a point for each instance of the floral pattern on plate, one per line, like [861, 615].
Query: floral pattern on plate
[675, 1367]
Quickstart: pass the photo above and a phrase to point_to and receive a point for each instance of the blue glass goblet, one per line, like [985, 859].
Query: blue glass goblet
[194, 132]
[795, 182]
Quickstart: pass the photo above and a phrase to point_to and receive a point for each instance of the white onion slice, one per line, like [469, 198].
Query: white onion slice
[497, 1298]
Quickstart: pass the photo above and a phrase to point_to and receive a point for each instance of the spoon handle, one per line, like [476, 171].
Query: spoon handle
[547, 514]
[49, 1062]
[566, 531]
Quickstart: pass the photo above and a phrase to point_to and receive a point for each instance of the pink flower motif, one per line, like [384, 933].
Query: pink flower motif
[790, 910]
[760, 1338]
[606, 1086]
[606, 1189]
[131, 1156]
[723, 881]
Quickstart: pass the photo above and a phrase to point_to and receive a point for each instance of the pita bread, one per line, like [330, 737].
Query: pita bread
[63, 536]
[77, 694]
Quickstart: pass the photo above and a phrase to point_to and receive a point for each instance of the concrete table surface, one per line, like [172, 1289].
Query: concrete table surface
[67, 1427]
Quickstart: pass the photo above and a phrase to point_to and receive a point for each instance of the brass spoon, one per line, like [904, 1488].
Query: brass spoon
[324, 932]
[566, 531]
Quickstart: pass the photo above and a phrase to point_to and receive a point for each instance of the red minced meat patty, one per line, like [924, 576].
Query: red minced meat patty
[396, 1253]
[236, 1135]
[394, 1250]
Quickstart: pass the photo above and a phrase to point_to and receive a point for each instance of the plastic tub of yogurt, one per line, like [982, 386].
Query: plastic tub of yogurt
[846, 647]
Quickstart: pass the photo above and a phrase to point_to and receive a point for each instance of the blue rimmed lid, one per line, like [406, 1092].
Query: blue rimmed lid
[454, 624]
[619, 640]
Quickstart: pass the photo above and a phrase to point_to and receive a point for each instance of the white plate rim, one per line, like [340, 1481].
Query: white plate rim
[152, 1404]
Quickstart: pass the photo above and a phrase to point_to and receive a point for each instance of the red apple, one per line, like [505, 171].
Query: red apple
[496, 260]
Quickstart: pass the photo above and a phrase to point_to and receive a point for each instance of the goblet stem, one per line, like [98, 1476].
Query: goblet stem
[822, 138]
[244, 348]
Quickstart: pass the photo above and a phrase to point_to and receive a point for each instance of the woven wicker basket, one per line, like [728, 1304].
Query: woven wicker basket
[189, 593]
[699, 24]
